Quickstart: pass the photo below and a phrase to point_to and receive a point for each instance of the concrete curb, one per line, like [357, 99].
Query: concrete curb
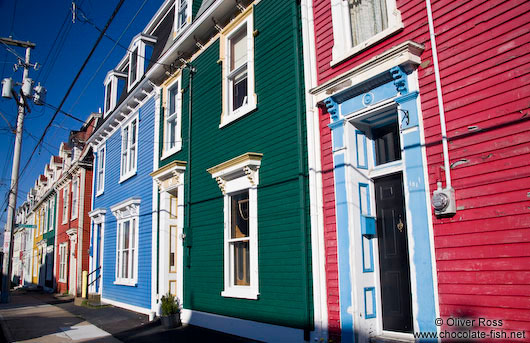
[5, 330]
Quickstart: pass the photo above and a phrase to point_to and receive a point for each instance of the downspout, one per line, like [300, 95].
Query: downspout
[443, 128]
[158, 210]
[187, 229]
[301, 170]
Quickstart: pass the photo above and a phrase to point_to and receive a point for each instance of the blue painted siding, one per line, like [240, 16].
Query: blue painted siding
[139, 185]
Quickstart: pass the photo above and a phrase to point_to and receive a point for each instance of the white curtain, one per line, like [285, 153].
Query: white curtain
[368, 17]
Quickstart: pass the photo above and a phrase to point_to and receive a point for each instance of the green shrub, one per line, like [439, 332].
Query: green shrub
[170, 305]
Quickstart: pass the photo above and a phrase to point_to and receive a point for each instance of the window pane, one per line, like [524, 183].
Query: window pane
[238, 49]
[134, 62]
[239, 215]
[240, 90]
[241, 263]
[173, 92]
[125, 269]
[182, 13]
[125, 235]
[108, 96]
[368, 17]
[387, 147]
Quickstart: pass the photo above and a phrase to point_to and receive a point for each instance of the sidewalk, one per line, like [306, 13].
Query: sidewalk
[40, 317]
[27, 318]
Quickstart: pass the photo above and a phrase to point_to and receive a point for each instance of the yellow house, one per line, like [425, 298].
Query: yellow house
[38, 251]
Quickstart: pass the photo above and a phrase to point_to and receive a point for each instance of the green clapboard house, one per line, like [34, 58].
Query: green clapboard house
[230, 190]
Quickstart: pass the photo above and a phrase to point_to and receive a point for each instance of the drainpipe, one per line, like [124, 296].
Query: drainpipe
[301, 169]
[188, 233]
[447, 167]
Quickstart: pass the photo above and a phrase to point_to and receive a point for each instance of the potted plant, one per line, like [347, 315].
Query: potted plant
[170, 311]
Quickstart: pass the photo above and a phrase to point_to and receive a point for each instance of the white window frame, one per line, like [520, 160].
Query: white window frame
[177, 115]
[178, 27]
[51, 214]
[45, 220]
[66, 199]
[138, 44]
[228, 33]
[63, 261]
[100, 176]
[343, 46]
[233, 177]
[127, 212]
[75, 198]
[126, 171]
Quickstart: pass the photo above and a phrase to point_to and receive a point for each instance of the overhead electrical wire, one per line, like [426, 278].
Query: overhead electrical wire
[114, 13]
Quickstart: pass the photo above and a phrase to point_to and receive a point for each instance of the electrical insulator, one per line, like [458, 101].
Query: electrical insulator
[39, 97]
[27, 86]
[7, 87]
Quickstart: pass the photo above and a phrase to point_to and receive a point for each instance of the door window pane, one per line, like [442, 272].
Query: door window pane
[387, 145]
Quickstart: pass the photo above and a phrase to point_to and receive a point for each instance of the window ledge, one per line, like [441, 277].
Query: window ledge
[339, 55]
[241, 292]
[127, 176]
[172, 151]
[130, 283]
[100, 193]
[239, 113]
[73, 218]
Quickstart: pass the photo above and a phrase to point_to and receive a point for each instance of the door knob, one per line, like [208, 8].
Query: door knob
[400, 225]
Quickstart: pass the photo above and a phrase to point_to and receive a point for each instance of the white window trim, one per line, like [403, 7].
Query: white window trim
[100, 182]
[127, 211]
[229, 116]
[75, 198]
[176, 29]
[65, 209]
[234, 176]
[166, 152]
[51, 215]
[63, 254]
[139, 42]
[342, 48]
[112, 78]
[128, 174]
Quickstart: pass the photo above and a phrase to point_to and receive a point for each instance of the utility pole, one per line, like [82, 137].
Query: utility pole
[22, 105]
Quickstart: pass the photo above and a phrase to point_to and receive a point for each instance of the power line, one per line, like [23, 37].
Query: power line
[69, 90]
[108, 55]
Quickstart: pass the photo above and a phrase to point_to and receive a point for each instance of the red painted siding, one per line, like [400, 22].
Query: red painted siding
[483, 252]
[330, 232]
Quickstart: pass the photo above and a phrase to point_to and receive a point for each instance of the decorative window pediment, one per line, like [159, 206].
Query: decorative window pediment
[245, 165]
[127, 208]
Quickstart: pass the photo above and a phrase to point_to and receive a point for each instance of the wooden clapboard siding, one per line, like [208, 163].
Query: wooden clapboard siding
[285, 289]
[483, 252]
[140, 186]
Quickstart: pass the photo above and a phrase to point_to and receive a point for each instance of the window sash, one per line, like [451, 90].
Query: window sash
[75, 186]
[101, 169]
[126, 250]
[129, 147]
[134, 66]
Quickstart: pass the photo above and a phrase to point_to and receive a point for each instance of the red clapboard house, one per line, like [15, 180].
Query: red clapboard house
[423, 110]
[74, 189]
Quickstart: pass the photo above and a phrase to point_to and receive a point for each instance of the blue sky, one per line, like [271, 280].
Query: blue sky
[43, 23]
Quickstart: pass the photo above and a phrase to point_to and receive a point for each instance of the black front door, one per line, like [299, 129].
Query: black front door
[393, 254]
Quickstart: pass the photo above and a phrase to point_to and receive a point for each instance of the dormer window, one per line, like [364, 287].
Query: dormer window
[183, 14]
[141, 50]
[114, 84]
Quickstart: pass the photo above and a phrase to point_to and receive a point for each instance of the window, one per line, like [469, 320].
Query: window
[238, 180]
[65, 204]
[46, 214]
[75, 197]
[127, 215]
[108, 97]
[100, 182]
[359, 24]
[172, 140]
[35, 263]
[133, 70]
[129, 137]
[51, 213]
[182, 14]
[387, 145]
[238, 69]
[63, 258]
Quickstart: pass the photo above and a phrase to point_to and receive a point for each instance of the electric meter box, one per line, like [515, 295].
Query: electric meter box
[443, 201]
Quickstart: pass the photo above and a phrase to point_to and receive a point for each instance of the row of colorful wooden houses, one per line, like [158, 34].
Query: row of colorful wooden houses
[348, 170]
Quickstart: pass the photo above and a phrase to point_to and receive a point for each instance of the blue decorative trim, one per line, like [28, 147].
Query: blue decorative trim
[332, 107]
[411, 111]
[373, 313]
[400, 79]
[343, 248]
[371, 257]
[365, 148]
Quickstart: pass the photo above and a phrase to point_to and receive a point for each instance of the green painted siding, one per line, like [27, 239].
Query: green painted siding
[284, 272]
[195, 8]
